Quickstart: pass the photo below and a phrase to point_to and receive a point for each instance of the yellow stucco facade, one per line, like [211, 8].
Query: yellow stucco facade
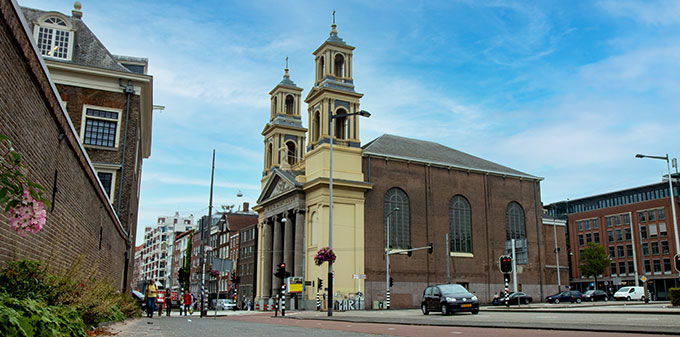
[295, 193]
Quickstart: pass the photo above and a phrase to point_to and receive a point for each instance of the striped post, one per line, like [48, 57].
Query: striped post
[283, 298]
[318, 300]
[507, 289]
[387, 302]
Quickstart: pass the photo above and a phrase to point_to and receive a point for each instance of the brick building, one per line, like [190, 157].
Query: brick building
[246, 264]
[109, 101]
[635, 222]
[81, 222]
[179, 256]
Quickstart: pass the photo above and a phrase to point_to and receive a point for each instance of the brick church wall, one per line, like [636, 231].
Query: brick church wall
[430, 189]
[82, 223]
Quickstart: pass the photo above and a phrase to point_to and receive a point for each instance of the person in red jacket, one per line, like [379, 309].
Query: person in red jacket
[187, 303]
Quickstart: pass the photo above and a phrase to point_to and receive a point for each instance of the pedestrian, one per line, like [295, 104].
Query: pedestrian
[168, 301]
[150, 295]
[187, 303]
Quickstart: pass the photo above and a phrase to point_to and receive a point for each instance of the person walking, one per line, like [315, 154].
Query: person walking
[168, 301]
[187, 303]
[150, 295]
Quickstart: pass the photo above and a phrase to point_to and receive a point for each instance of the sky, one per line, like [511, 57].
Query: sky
[568, 91]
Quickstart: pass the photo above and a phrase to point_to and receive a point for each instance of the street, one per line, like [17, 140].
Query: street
[405, 323]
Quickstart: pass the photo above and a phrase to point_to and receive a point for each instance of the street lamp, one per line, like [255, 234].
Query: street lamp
[387, 259]
[670, 187]
[362, 113]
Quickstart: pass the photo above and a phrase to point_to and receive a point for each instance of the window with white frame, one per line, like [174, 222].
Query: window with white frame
[108, 179]
[54, 37]
[100, 126]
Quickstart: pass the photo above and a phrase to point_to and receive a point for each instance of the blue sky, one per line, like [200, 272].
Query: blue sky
[565, 90]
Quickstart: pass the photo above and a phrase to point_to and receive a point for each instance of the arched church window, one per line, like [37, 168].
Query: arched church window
[316, 126]
[339, 66]
[515, 228]
[269, 156]
[274, 102]
[314, 231]
[460, 226]
[292, 154]
[322, 68]
[399, 226]
[341, 124]
[290, 105]
[54, 37]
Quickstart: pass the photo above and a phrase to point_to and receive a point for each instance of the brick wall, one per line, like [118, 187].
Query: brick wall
[31, 116]
[430, 190]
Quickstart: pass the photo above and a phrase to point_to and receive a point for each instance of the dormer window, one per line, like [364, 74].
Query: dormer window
[54, 37]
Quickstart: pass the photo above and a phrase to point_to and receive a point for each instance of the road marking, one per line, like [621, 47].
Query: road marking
[643, 319]
[390, 328]
[456, 332]
[348, 326]
[548, 317]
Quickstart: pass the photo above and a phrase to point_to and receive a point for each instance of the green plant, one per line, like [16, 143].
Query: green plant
[28, 317]
[594, 261]
[674, 294]
[27, 279]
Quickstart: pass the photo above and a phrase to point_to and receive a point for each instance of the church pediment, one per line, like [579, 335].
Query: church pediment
[279, 183]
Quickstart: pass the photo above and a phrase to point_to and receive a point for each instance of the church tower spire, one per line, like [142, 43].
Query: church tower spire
[284, 135]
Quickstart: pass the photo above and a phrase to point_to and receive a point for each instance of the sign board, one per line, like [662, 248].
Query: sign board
[222, 265]
[359, 276]
[294, 284]
[643, 278]
[616, 280]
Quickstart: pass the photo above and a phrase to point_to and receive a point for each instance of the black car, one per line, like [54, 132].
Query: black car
[449, 298]
[516, 298]
[595, 295]
[566, 296]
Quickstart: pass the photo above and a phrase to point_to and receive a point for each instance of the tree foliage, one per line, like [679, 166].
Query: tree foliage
[594, 261]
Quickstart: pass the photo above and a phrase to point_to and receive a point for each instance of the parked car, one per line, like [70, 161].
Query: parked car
[595, 295]
[630, 293]
[226, 304]
[516, 298]
[448, 298]
[139, 297]
[566, 296]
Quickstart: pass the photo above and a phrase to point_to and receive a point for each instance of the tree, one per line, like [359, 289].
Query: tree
[186, 281]
[594, 261]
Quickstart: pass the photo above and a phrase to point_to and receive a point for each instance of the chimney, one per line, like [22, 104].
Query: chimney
[245, 207]
[76, 10]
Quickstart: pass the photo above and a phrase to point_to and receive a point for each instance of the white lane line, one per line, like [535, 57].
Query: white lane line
[642, 319]
[390, 328]
[456, 332]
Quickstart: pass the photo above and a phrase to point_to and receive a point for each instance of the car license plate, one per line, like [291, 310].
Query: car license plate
[466, 305]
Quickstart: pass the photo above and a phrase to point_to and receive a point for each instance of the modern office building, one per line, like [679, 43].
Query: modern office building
[635, 226]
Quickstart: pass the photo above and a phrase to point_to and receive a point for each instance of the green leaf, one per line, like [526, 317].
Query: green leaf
[16, 157]
[3, 137]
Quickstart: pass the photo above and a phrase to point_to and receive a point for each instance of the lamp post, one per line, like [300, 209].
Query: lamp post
[362, 113]
[670, 189]
[387, 257]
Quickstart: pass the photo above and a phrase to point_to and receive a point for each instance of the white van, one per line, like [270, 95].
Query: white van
[630, 293]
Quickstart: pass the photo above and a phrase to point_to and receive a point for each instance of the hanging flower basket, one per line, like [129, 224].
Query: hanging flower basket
[323, 255]
[214, 273]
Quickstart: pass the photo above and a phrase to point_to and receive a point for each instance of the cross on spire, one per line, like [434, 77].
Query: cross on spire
[286, 62]
[334, 16]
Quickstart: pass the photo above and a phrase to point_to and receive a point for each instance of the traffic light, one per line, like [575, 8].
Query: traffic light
[281, 271]
[505, 263]
[235, 279]
[429, 250]
[180, 274]
[676, 258]
[391, 282]
[319, 283]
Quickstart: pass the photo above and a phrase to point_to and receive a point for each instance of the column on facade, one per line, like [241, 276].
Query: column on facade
[277, 254]
[288, 243]
[267, 265]
[299, 242]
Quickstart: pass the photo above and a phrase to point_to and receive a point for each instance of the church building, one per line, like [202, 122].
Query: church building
[461, 210]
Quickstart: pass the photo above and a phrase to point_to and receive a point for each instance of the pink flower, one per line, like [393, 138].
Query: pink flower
[28, 218]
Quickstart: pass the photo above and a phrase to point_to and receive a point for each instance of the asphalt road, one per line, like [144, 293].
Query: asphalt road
[264, 324]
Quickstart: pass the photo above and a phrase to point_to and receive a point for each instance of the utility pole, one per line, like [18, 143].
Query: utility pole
[514, 268]
[203, 226]
[448, 259]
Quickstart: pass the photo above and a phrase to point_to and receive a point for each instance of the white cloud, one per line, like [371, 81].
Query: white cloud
[659, 13]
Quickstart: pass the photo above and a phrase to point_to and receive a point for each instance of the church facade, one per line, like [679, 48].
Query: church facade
[437, 190]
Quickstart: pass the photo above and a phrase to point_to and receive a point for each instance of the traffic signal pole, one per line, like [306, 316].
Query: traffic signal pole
[514, 268]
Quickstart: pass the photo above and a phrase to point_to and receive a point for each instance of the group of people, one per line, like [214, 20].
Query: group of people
[151, 297]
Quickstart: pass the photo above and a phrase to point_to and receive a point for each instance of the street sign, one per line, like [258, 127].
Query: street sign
[359, 276]
[643, 278]
[616, 280]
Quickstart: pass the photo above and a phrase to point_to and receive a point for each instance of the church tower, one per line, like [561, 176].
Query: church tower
[284, 135]
[332, 110]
